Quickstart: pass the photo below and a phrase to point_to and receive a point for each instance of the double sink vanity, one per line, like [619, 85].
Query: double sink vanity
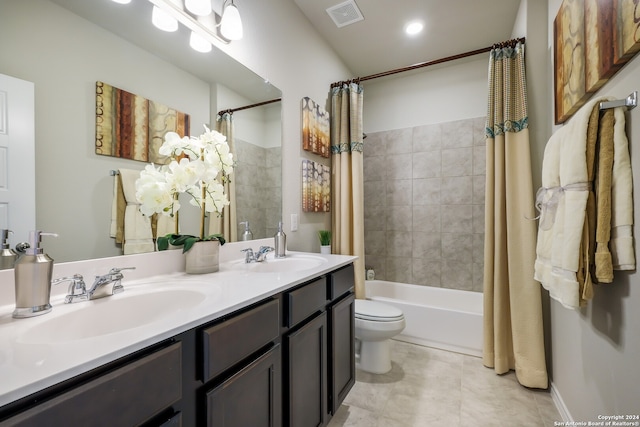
[258, 344]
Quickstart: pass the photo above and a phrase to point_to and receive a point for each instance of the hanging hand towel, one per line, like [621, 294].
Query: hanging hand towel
[621, 244]
[138, 237]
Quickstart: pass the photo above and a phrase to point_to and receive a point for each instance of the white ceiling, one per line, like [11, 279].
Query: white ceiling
[378, 42]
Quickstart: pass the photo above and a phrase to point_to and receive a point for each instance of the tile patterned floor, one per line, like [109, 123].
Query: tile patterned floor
[430, 387]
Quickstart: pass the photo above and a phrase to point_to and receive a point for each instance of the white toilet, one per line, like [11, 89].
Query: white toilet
[375, 324]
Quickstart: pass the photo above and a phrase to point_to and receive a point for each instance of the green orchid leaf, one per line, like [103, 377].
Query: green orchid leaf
[163, 243]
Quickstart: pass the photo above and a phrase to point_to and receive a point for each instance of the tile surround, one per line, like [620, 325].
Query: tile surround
[424, 204]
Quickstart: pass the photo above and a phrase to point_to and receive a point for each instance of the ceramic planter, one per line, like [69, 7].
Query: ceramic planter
[203, 257]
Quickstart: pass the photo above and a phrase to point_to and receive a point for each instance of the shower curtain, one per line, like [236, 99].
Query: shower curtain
[347, 183]
[226, 224]
[513, 330]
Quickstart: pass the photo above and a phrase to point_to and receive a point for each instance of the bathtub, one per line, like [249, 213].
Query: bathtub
[443, 318]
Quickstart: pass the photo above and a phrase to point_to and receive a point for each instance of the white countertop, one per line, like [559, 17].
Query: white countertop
[29, 364]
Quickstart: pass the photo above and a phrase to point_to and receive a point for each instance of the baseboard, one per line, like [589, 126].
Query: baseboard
[560, 406]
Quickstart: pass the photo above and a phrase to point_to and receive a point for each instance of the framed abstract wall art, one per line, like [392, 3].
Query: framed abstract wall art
[593, 39]
[316, 187]
[133, 127]
[316, 132]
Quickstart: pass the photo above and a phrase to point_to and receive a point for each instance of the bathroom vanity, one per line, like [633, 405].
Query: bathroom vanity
[260, 347]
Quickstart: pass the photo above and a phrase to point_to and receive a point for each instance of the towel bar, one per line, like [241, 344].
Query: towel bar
[630, 102]
[113, 172]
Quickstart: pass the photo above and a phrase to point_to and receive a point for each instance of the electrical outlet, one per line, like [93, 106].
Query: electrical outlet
[294, 222]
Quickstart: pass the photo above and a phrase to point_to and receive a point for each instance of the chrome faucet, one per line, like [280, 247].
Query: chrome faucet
[78, 289]
[261, 255]
[108, 284]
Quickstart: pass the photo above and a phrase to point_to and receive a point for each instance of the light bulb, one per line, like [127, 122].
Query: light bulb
[231, 25]
[162, 20]
[122, 1]
[198, 7]
[413, 28]
[197, 42]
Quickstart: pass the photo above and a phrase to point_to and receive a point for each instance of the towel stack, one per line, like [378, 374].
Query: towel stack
[586, 207]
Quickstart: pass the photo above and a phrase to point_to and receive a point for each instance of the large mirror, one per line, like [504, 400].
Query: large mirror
[64, 47]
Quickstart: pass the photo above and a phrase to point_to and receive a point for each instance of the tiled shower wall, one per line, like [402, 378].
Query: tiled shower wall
[424, 204]
[258, 188]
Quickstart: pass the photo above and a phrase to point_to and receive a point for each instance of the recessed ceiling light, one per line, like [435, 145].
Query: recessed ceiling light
[413, 28]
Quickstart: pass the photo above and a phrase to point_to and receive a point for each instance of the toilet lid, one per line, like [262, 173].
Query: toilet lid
[377, 311]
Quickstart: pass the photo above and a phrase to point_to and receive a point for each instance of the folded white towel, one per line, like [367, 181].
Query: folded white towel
[564, 171]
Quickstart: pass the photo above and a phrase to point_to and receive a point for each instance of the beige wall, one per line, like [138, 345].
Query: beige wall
[595, 351]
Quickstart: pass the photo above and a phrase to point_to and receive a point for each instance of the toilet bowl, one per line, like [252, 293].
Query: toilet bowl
[375, 324]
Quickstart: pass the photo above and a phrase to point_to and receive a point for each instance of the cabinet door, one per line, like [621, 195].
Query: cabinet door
[342, 363]
[306, 396]
[251, 397]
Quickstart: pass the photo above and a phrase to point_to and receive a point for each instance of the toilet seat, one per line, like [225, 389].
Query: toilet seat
[377, 312]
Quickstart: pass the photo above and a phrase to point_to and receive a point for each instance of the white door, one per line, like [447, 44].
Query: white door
[17, 158]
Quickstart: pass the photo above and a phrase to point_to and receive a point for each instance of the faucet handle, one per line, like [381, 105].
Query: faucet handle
[77, 289]
[117, 270]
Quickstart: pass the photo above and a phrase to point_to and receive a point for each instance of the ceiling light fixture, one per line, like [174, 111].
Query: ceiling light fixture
[162, 20]
[413, 28]
[231, 24]
[198, 7]
[122, 1]
[198, 43]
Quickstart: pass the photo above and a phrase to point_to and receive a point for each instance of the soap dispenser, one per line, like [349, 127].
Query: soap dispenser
[280, 242]
[247, 235]
[33, 279]
[7, 255]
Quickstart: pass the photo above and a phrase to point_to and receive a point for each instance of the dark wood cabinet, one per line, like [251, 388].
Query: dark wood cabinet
[319, 348]
[286, 360]
[250, 397]
[342, 365]
[306, 373]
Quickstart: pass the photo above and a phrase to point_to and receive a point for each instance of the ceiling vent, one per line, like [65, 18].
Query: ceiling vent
[345, 13]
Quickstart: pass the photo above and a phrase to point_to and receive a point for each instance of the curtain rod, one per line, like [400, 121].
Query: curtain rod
[246, 107]
[511, 42]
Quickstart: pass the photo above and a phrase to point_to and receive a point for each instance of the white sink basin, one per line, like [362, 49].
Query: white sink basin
[290, 263]
[113, 314]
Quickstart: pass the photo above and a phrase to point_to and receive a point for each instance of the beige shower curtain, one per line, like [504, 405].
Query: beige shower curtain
[227, 223]
[347, 193]
[513, 331]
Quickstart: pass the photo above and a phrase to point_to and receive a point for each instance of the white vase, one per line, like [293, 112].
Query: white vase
[325, 249]
[203, 257]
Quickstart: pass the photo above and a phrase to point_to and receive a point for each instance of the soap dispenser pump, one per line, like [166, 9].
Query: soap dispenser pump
[280, 242]
[7, 255]
[247, 235]
[33, 272]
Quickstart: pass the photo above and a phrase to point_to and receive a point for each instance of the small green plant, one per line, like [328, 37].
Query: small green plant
[325, 237]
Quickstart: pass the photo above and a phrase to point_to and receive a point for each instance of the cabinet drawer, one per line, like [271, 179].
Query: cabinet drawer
[342, 281]
[229, 342]
[126, 396]
[304, 301]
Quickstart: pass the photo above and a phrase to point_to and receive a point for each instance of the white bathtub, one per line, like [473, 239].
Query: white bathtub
[443, 318]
